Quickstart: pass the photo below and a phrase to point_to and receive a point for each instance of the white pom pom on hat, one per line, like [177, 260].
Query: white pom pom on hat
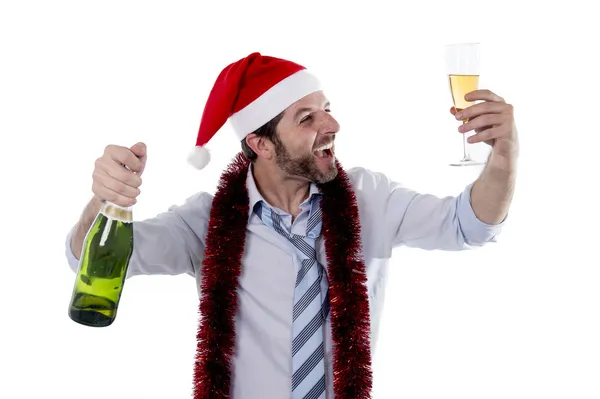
[249, 93]
[199, 157]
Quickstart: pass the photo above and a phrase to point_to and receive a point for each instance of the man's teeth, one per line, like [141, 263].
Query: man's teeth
[325, 147]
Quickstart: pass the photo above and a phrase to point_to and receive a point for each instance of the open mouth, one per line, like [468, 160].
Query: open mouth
[324, 151]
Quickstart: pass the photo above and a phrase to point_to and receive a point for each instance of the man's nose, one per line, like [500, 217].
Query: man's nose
[329, 125]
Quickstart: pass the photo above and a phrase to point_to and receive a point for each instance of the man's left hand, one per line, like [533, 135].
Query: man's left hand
[493, 122]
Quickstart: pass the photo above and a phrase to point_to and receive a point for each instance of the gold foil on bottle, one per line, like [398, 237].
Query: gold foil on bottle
[118, 213]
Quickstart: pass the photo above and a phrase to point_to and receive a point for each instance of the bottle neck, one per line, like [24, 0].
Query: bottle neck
[117, 212]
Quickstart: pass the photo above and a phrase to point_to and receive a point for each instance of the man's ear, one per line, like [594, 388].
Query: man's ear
[261, 146]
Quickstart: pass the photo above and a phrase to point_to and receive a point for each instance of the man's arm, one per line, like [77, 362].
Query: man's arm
[170, 243]
[493, 191]
[471, 219]
[494, 124]
[83, 225]
[393, 215]
[396, 215]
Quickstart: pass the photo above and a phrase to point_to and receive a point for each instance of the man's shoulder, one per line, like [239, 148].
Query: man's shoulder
[360, 171]
[197, 204]
[200, 198]
[365, 179]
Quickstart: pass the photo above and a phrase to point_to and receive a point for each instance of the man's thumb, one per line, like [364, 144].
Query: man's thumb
[139, 149]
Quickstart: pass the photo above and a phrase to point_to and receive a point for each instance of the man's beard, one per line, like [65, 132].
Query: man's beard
[304, 165]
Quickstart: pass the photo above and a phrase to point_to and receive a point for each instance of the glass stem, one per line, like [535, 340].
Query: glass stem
[466, 155]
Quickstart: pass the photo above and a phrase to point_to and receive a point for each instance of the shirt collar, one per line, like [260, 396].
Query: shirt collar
[255, 196]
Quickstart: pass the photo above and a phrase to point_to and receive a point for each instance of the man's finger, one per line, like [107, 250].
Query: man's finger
[139, 149]
[475, 110]
[110, 195]
[483, 95]
[481, 122]
[118, 172]
[126, 157]
[487, 134]
[117, 186]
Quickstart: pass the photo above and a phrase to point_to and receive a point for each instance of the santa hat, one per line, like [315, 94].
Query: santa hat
[249, 93]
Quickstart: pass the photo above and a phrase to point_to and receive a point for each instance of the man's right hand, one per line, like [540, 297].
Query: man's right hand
[112, 181]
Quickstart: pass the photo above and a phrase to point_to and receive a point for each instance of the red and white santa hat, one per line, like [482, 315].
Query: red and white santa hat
[249, 93]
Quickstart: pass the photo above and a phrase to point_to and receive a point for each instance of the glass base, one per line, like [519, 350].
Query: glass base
[467, 162]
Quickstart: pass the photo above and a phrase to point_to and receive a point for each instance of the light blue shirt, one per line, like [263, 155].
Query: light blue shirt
[391, 216]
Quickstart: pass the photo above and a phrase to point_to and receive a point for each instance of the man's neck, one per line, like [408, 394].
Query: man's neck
[280, 191]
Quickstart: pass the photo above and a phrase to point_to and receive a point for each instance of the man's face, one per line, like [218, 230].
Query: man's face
[304, 146]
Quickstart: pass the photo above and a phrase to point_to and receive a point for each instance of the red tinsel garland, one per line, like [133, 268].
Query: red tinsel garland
[349, 306]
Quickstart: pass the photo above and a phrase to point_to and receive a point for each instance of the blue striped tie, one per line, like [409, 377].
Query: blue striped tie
[309, 313]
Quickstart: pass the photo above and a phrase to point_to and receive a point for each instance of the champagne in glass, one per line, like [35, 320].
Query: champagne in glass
[462, 67]
[460, 85]
[103, 264]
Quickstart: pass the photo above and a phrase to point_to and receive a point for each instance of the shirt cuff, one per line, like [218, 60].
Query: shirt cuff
[474, 230]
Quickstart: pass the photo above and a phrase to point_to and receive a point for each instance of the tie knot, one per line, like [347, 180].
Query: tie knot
[313, 225]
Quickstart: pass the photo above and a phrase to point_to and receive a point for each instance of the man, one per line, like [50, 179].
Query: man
[290, 255]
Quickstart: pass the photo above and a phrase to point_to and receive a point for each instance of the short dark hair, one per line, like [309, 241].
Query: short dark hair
[268, 131]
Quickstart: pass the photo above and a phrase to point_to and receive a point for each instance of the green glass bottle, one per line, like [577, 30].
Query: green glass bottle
[103, 263]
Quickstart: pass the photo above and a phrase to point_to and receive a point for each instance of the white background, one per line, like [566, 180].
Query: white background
[518, 319]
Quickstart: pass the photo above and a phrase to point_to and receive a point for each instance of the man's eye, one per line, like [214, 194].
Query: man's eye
[306, 118]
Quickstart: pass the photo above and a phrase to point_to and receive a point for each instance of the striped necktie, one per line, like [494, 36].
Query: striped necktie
[311, 306]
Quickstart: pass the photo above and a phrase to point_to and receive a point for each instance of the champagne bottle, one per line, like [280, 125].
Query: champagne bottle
[103, 264]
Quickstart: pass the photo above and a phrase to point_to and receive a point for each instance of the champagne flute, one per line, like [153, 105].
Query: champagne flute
[462, 67]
